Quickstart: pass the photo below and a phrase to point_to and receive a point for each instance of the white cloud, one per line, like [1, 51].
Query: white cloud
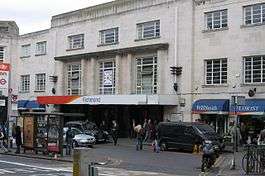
[34, 15]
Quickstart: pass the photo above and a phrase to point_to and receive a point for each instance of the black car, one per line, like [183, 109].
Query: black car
[184, 135]
[89, 128]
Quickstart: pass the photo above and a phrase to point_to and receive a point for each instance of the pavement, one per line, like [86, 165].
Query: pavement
[124, 161]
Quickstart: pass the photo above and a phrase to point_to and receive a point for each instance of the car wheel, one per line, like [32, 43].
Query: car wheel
[75, 144]
[163, 146]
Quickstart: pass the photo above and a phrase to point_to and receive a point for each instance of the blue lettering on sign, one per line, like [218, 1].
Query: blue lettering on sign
[248, 108]
[91, 99]
[206, 108]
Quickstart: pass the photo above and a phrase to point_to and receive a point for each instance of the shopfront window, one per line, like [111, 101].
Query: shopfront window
[107, 71]
[74, 79]
[147, 75]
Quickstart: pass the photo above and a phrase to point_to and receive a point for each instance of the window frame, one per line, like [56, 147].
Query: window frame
[102, 36]
[213, 20]
[222, 74]
[74, 74]
[2, 53]
[102, 88]
[141, 29]
[78, 45]
[39, 52]
[139, 76]
[40, 83]
[25, 83]
[252, 69]
[251, 19]
[25, 53]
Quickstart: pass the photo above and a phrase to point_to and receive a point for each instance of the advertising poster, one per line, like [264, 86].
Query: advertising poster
[28, 132]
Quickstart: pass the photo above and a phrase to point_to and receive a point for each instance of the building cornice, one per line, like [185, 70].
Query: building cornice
[112, 52]
[102, 10]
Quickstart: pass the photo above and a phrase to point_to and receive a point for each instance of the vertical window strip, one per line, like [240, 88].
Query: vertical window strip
[40, 82]
[74, 79]
[107, 77]
[2, 53]
[25, 83]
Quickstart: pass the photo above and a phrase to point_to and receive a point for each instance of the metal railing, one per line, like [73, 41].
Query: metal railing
[253, 162]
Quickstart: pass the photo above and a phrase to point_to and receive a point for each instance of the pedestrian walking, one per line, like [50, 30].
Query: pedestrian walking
[234, 131]
[69, 140]
[139, 137]
[18, 139]
[115, 132]
[261, 140]
[147, 129]
[3, 148]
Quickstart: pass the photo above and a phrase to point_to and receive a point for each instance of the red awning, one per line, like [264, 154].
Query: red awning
[56, 99]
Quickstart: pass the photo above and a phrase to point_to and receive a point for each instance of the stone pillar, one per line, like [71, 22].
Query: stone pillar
[162, 56]
[84, 76]
[60, 71]
[93, 77]
[118, 75]
[128, 75]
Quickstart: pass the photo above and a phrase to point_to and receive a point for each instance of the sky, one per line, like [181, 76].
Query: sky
[35, 15]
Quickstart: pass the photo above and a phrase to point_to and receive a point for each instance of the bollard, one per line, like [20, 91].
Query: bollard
[76, 163]
[92, 170]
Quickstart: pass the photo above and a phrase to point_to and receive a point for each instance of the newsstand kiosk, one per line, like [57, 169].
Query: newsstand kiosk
[43, 132]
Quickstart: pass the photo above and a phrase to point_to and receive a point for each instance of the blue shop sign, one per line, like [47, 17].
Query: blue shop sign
[251, 107]
[211, 106]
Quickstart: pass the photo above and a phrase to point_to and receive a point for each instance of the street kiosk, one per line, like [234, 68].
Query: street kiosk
[43, 132]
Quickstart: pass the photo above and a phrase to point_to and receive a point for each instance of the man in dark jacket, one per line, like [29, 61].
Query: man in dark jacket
[18, 139]
[115, 132]
[69, 140]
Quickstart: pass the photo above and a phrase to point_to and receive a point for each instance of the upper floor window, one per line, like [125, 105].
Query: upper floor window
[216, 19]
[40, 82]
[146, 75]
[3, 29]
[107, 71]
[2, 51]
[41, 48]
[109, 36]
[254, 14]
[74, 79]
[216, 71]
[25, 50]
[24, 83]
[254, 69]
[148, 30]
[76, 41]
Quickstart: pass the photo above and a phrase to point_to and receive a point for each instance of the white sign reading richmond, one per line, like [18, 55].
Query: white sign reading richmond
[206, 108]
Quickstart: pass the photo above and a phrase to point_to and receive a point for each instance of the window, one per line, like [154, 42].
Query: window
[216, 71]
[148, 30]
[25, 51]
[254, 69]
[74, 79]
[107, 71]
[76, 41]
[146, 75]
[254, 14]
[4, 29]
[41, 48]
[2, 54]
[25, 83]
[40, 82]
[216, 19]
[109, 36]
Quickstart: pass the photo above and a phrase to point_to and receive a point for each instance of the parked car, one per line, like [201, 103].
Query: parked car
[88, 128]
[184, 135]
[80, 139]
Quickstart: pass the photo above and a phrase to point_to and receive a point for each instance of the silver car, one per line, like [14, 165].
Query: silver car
[80, 139]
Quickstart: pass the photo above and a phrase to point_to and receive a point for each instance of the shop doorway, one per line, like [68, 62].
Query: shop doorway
[218, 122]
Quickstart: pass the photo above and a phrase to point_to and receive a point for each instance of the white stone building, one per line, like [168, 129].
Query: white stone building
[112, 61]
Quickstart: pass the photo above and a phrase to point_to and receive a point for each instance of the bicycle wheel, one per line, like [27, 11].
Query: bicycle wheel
[248, 163]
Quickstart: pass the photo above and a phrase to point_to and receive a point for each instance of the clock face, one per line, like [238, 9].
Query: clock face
[108, 78]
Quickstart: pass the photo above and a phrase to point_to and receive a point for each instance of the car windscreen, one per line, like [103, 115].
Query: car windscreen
[205, 128]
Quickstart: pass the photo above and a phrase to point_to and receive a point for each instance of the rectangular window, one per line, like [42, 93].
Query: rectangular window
[146, 75]
[76, 41]
[25, 50]
[148, 30]
[109, 36]
[216, 19]
[107, 71]
[40, 82]
[74, 79]
[2, 51]
[4, 29]
[41, 48]
[254, 69]
[254, 14]
[216, 71]
[24, 83]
